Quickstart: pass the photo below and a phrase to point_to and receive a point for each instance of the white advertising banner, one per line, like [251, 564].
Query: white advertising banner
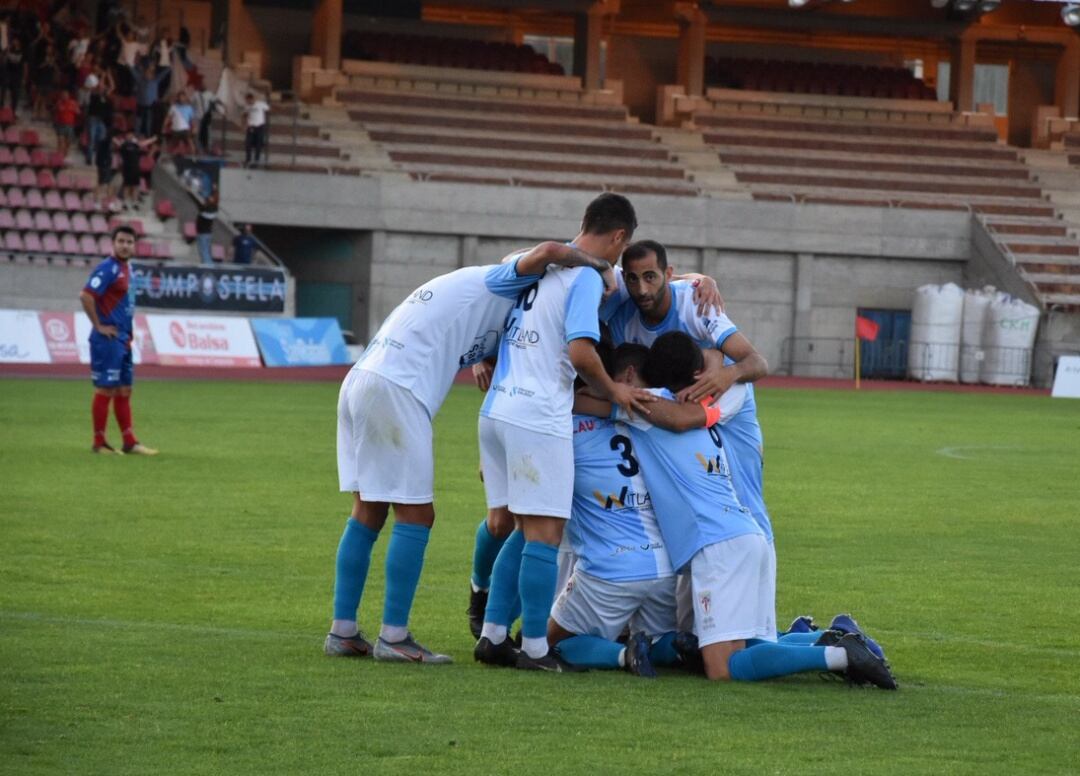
[194, 340]
[21, 340]
[1067, 379]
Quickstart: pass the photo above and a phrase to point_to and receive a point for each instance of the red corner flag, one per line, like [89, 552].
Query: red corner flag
[866, 329]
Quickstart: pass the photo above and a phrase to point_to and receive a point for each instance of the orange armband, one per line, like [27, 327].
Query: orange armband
[712, 416]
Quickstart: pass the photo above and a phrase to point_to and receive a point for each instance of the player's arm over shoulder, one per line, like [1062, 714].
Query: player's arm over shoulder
[663, 413]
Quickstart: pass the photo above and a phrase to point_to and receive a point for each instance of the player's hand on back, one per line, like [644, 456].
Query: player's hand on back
[482, 373]
[713, 380]
[108, 331]
[632, 399]
[611, 285]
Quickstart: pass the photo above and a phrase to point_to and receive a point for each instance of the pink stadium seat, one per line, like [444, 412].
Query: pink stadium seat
[165, 209]
[144, 249]
[13, 242]
[57, 160]
[88, 246]
[163, 250]
[42, 221]
[53, 200]
[6, 157]
[89, 204]
[218, 252]
[80, 224]
[68, 244]
[9, 176]
[105, 244]
[34, 200]
[23, 220]
[189, 230]
[15, 197]
[21, 156]
[64, 180]
[46, 179]
[39, 157]
[50, 243]
[61, 222]
[72, 201]
[32, 242]
[7, 219]
[3, 198]
[11, 135]
[98, 224]
[27, 177]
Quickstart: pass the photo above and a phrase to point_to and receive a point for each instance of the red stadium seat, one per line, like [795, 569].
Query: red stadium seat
[165, 209]
[7, 116]
[29, 137]
[57, 160]
[39, 157]
[144, 249]
[46, 179]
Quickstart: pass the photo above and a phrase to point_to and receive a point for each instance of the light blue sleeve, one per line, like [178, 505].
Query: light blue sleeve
[611, 305]
[503, 279]
[582, 303]
[710, 330]
[617, 322]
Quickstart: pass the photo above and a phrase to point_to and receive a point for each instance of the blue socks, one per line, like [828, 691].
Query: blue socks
[662, 653]
[539, 574]
[806, 639]
[766, 660]
[503, 593]
[404, 561]
[484, 553]
[353, 559]
[590, 652]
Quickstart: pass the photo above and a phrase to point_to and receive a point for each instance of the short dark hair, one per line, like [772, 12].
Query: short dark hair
[673, 361]
[607, 213]
[629, 354]
[124, 229]
[642, 248]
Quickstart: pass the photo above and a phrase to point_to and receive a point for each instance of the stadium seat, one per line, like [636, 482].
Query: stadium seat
[64, 180]
[69, 244]
[7, 219]
[217, 252]
[98, 224]
[15, 197]
[163, 250]
[39, 157]
[32, 242]
[165, 209]
[50, 243]
[189, 230]
[46, 179]
[24, 220]
[61, 222]
[42, 221]
[80, 224]
[6, 157]
[9, 176]
[34, 199]
[72, 201]
[53, 200]
[88, 245]
[7, 116]
[104, 243]
[29, 138]
[56, 160]
[13, 241]
[143, 249]
[11, 135]
[20, 157]
[27, 177]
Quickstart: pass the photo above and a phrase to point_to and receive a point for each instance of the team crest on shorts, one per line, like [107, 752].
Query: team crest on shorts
[706, 602]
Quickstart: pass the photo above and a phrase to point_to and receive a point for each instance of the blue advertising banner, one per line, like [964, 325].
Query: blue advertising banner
[300, 341]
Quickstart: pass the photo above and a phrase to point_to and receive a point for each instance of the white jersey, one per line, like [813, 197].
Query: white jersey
[709, 331]
[451, 322]
[534, 380]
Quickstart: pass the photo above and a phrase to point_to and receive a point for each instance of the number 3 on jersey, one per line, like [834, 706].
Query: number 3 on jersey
[621, 444]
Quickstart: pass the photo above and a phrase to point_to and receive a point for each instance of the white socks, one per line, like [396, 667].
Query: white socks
[392, 634]
[836, 658]
[496, 634]
[534, 648]
[346, 629]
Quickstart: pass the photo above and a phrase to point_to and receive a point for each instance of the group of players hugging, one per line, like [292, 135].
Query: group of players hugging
[622, 461]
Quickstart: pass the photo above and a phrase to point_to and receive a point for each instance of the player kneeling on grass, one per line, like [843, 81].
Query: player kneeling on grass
[710, 534]
[622, 577]
[384, 444]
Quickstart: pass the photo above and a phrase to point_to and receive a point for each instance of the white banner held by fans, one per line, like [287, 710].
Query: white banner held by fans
[195, 340]
[21, 340]
[1067, 379]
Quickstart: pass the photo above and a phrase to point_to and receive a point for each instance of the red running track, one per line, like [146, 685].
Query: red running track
[337, 373]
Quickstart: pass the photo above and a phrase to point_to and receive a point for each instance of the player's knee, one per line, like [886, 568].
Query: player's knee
[716, 657]
[500, 523]
[415, 514]
[538, 528]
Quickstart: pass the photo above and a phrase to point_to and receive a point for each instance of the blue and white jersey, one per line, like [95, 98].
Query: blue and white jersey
[689, 482]
[741, 435]
[450, 322]
[709, 331]
[612, 530]
[533, 384]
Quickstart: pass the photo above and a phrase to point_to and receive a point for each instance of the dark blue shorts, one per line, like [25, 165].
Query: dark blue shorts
[110, 362]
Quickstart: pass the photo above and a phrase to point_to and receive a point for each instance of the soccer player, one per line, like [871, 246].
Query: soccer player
[526, 445]
[109, 301]
[622, 577]
[710, 533]
[384, 442]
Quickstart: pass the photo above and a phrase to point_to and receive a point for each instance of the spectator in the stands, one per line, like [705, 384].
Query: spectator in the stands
[244, 246]
[206, 105]
[46, 73]
[148, 81]
[14, 73]
[179, 121]
[255, 111]
[65, 114]
[204, 226]
[131, 153]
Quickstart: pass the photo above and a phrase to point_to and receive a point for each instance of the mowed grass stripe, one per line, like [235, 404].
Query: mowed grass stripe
[166, 615]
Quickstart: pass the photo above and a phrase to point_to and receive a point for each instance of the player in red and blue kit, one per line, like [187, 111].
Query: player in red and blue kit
[109, 302]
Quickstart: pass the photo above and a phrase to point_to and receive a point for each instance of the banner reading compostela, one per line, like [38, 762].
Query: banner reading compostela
[241, 290]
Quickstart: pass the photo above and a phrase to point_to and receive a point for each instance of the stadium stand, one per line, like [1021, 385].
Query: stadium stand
[506, 129]
[816, 78]
[446, 52]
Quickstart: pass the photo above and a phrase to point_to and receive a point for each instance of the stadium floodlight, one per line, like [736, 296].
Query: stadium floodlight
[986, 6]
[963, 6]
[939, 3]
[797, 3]
[1070, 14]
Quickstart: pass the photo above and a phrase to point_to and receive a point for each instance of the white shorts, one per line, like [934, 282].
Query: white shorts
[685, 599]
[590, 606]
[567, 561]
[383, 441]
[528, 472]
[733, 588]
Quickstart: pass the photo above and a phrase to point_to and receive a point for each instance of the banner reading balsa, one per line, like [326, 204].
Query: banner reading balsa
[183, 340]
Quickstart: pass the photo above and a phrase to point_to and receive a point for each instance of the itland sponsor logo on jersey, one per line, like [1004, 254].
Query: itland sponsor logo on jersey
[421, 296]
[713, 464]
[521, 337]
[624, 499]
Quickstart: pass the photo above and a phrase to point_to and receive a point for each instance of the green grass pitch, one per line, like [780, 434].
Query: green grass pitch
[166, 615]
